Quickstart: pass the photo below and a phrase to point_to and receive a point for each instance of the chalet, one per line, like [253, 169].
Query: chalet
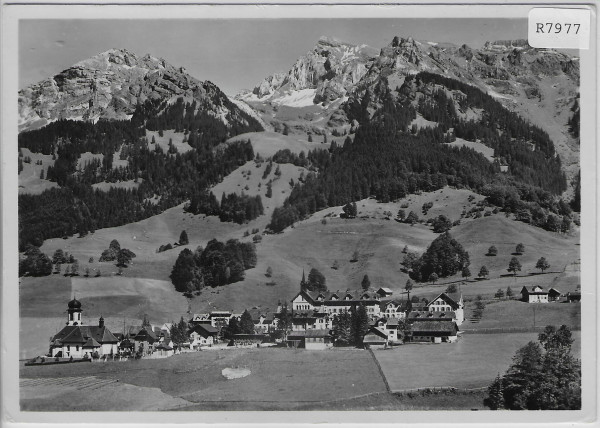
[311, 320]
[79, 341]
[433, 331]
[264, 324]
[538, 295]
[220, 319]
[394, 308]
[317, 339]
[375, 338]
[448, 302]
[384, 292]
[202, 335]
[144, 340]
[573, 296]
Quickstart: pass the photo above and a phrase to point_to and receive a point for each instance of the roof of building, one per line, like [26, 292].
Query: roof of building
[430, 316]
[74, 304]
[435, 327]
[331, 297]
[146, 335]
[205, 330]
[79, 334]
[538, 290]
[452, 299]
[310, 333]
[401, 305]
[91, 343]
[385, 290]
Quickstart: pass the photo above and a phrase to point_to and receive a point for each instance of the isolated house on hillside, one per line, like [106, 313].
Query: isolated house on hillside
[537, 295]
[77, 340]
[384, 292]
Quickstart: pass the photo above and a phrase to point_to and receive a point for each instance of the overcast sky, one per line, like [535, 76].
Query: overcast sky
[234, 54]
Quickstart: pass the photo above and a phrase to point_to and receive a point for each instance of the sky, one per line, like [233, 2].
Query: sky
[233, 54]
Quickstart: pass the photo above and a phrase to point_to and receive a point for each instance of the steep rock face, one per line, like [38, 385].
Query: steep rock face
[110, 85]
[330, 69]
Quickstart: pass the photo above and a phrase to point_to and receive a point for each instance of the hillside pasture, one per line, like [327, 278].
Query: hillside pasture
[168, 134]
[29, 179]
[269, 143]
[471, 362]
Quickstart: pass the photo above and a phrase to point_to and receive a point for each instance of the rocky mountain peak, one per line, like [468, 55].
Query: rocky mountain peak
[111, 85]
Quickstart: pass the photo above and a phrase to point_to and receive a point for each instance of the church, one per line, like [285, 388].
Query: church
[78, 341]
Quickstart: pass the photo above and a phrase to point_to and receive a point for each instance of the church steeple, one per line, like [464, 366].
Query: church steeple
[74, 312]
[303, 282]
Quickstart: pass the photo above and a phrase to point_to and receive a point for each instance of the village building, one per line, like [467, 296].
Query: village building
[316, 339]
[433, 331]
[264, 324]
[144, 341]
[538, 295]
[391, 328]
[416, 316]
[448, 302]
[202, 335]
[200, 319]
[384, 292]
[394, 308]
[573, 296]
[82, 341]
[376, 338]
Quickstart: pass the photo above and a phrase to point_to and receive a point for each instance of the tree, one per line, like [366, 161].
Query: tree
[355, 256]
[542, 264]
[366, 283]
[316, 281]
[433, 277]
[87, 272]
[342, 328]
[492, 251]
[183, 238]
[112, 252]
[514, 266]
[466, 273]
[499, 294]
[91, 260]
[179, 333]
[495, 398]
[284, 321]
[483, 272]
[445, 256]
[75, 268]
[412, 218]
[441, 224]
[246, 323]
[359, 324]
[231, 329]
[408, 287]
[269, 190]
[310, 139]
[59, 257]
[509, 292]
[124, 257]
[520, 249]
[35, 264]
[269, 272]
[545, 377]
[405, 249]
[350, 210]
[451, 288]
[409, 261]
[401, 215]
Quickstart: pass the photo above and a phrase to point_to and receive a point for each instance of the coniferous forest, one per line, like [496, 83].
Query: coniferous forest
[387, 160]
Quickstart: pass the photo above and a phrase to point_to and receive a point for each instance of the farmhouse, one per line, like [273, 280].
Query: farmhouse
[573, 296]
[538, 295]
[448, 302]
[375, 338]
[78, 341]
[202, 335]
[394, 308]
[434, 331]
[391, 328]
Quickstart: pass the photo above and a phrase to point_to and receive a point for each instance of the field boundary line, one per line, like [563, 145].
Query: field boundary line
[438, 389]
[387, 385]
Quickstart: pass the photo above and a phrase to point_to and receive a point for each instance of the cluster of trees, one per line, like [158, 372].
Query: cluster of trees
[114, 252]
[233, 207]
[349, 328]
[244, 326]
[287, 156]
[35, 263]
[217, 264]
[444, 257]
[316, 281]
[544, 375]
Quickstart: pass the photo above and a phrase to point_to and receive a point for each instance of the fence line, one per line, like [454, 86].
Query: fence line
[387, 385]
[434, 389]
[493, 330]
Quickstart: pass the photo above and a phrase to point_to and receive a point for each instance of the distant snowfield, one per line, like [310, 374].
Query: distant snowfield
[301, 98]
